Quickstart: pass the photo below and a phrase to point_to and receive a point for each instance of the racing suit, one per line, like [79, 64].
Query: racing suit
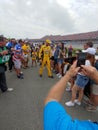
[46, 50]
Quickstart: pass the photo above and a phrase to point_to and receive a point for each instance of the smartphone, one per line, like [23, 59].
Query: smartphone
[81, 59]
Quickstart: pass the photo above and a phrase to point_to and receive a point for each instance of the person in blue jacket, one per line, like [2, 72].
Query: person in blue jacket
[55, 116]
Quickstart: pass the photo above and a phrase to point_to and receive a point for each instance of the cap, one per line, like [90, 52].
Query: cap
[90, 50]
[48, 41]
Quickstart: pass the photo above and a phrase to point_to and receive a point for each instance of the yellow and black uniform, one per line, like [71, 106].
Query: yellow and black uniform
[34, 55]
[46, 50]
[26, 51]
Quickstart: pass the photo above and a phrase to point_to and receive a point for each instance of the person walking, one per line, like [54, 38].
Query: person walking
[46, 50]
[18, 58]
[4, 57]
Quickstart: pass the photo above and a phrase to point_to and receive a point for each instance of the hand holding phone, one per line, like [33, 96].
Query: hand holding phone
[81, 59]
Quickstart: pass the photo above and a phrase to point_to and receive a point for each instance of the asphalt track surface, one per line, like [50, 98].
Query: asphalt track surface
[22, 109]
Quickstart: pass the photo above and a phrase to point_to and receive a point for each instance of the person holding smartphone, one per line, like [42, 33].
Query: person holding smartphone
[55, 116]
[81, 80]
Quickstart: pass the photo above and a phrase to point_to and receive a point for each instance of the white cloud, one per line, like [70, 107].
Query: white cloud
[36, 18]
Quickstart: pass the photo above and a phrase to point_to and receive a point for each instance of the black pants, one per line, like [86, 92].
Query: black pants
[3, 85]
[10, 63]
[87, 90]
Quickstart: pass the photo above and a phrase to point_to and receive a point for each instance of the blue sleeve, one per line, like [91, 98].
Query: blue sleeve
[56, 118]
[8, 45]
[18, 47]
[15, 47]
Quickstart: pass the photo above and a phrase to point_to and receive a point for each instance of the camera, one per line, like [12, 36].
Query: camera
[81, 59]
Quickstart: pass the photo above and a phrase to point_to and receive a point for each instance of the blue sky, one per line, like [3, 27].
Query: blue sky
[37, 18]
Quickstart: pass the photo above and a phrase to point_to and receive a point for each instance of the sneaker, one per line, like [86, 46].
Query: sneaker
[21, 76]
[51, 77]
[68, 89]
[18, 76]
[54, 71]
[40, 75]
[60, 76]
[77, 102]
[91, 108]
[24, 67]
[70, 104]
[10, 89]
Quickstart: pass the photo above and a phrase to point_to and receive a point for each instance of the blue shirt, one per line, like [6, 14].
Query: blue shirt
[9, 45]
[56, 53]
[56, 118]
[18, 47]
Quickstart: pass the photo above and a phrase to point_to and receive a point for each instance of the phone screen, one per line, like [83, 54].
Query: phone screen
[81, 59]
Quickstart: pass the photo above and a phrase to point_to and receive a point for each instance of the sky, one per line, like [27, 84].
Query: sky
[37, 18]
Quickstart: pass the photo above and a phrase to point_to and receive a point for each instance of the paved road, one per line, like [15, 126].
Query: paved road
[22, 109]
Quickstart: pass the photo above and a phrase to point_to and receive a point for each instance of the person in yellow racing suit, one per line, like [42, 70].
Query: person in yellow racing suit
[46, 50]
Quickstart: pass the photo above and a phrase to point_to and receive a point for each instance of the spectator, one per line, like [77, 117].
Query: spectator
[17, 58]
[81, 81]
[10, 45]
[26, 54]
[70, 50]
[55, 117]
[89, 47]
[92, 102]
[4, 57]
[60, 60]
[52, 57]
[56, 54]
[34, 57]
